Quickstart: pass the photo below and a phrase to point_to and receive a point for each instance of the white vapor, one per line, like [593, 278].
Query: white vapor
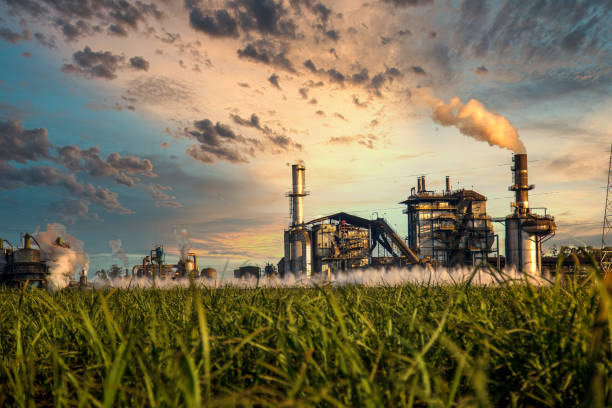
[63, 261]
[472, 119]
[365, 277]
[119, 252]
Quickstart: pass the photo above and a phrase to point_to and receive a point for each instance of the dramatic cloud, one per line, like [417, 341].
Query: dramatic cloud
[217, 23]
[273, 79]
[274, 139]
[122, 169]
[417, 70]
[265, 17]
[220, 142]
[73, 32]
[14, 178]
[139, 63]
[99, 64]
[13, 37]
[22, 145]
[266, 53]
[77, 18]
[577, 27]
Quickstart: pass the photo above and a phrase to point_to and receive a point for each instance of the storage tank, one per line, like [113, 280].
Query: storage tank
[25, 264]
[209, 273]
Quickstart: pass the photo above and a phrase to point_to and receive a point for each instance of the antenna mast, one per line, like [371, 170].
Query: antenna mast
[606, 254]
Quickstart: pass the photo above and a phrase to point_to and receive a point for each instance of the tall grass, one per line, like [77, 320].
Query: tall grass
[413, 345]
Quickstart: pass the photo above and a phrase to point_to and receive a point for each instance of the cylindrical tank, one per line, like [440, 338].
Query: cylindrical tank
[296, 253]
[189, 266]
[522, 248]
[300, 252]
[209, 273]
[26, 255]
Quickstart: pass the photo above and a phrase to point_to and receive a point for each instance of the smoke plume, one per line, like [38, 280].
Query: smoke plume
[183, 242]
[63, 260]
[473, 120]
[119, 252]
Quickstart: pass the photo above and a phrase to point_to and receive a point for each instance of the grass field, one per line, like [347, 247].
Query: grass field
[352, 346]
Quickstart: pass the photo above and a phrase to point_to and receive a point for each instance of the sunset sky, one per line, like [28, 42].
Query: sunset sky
[138, 119]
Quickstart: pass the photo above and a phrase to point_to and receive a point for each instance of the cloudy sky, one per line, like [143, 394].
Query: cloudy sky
[135, 119]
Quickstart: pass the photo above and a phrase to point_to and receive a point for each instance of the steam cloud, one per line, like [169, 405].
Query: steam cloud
[473, 120]
[63, 261]
[368, 277]
[183, 242]
[119, 252]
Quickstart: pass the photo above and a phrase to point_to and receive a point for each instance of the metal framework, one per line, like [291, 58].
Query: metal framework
[606, 254]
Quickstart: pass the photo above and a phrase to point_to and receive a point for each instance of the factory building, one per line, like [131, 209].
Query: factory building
[29, 264]
[449, 227]
[20, 265]
[337, 242]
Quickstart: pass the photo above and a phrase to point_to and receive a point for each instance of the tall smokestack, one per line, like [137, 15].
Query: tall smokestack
[419, 188]
[447, 184]
[423, 183]
[298, 177]
[521, 185]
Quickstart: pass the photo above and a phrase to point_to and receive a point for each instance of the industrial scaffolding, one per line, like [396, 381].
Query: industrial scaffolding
[450, 227]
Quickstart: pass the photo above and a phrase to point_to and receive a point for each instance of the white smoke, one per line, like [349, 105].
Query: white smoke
[63, 261]
[183, 242]
[119, 252]
[473, 120]
[365, 277]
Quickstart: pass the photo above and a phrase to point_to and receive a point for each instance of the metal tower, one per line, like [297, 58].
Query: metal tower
[606, 255]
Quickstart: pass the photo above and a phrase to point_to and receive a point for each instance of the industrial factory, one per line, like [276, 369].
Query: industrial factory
[30, 263]
[154, 265]
[444, 228]
[447, 228]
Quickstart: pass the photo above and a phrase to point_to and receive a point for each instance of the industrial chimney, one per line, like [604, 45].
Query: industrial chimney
[524, 229]
[521, 185]
[297, 193]
[298, 251]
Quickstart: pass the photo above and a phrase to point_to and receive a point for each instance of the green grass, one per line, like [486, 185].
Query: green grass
[348, 346]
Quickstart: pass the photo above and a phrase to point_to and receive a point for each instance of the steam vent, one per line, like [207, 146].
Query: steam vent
[525, 230]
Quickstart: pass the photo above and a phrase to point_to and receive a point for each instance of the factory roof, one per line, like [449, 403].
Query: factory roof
[445, 196]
